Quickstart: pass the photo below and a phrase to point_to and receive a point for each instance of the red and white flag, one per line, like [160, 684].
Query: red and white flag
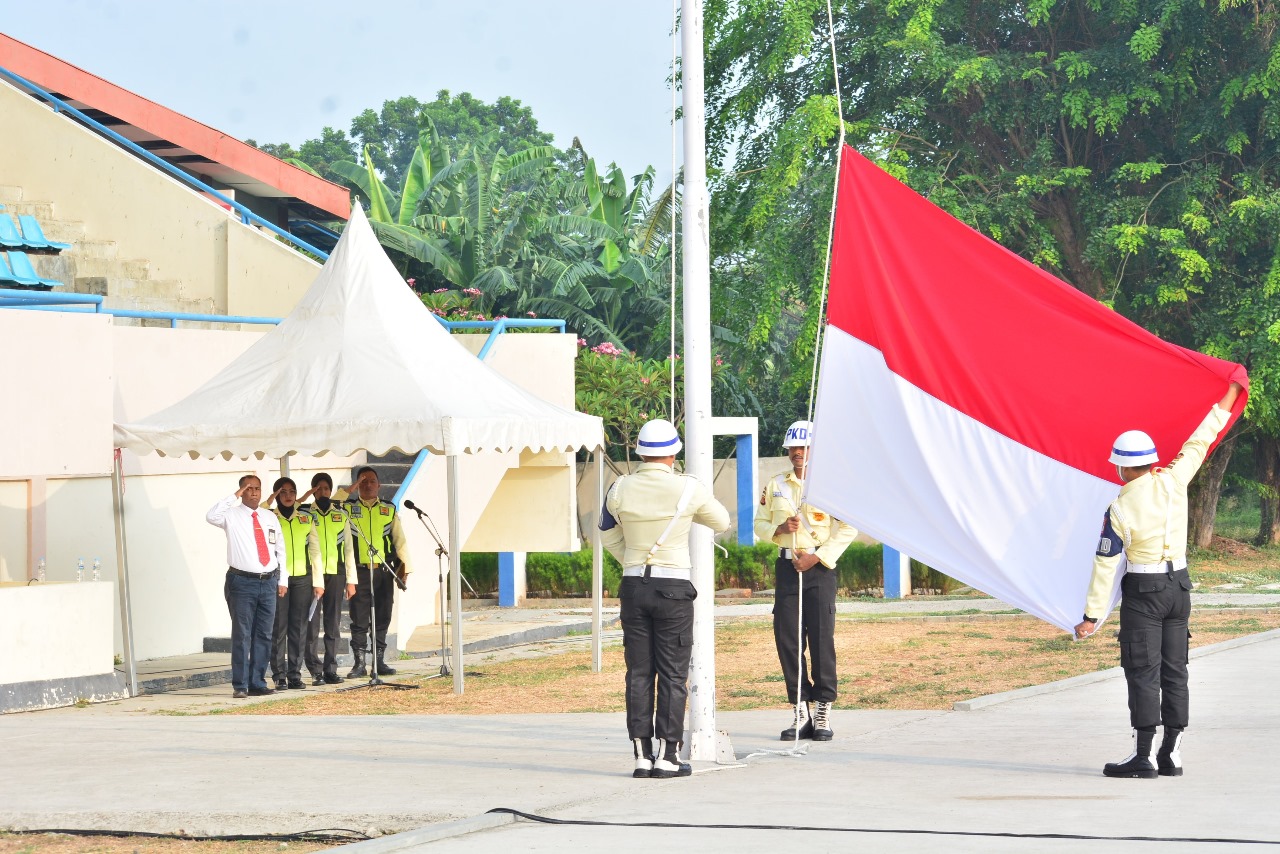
[968, 399]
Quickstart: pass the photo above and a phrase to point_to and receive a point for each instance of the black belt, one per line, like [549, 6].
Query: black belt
[275, 573]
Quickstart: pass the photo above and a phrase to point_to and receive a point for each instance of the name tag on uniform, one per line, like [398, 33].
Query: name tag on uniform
[355, 512]
[336, 517]
[271, 536]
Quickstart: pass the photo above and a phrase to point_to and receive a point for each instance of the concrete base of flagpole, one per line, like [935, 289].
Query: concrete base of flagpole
[710, 747]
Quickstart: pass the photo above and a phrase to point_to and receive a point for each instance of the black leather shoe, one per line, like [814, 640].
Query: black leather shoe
[317, 678]
[297, 684]
[282, 684]
[1169, 758]
[239, 695]
[333, 679]
[385, 669]
[665, 770]
[261, 692]
[1137, 764]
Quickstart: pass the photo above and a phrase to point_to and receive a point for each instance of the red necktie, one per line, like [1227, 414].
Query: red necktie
[261, 539]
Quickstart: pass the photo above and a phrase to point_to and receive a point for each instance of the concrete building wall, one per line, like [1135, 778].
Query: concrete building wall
[201, 251]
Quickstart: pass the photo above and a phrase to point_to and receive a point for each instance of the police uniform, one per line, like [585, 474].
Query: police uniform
[657, 594]
[1147, 525]
[826, 537]
[376, 523]
[334, 535]
[303, 571]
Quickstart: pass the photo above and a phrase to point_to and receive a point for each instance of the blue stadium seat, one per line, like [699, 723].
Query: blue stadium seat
[6, 275]
[34, 237]
[9, 236]
[25, 274]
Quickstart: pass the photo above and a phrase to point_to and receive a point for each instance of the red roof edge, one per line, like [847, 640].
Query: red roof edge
[61, 77]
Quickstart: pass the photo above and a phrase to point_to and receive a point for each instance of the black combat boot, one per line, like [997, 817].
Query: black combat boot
[1169, 759]
[643, 748]
[384, 669]
[801, 720]
[357, 668]
[668, 764]
[1139, 763]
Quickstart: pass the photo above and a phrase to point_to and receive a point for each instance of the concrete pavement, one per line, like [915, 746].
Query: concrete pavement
[1029, 765]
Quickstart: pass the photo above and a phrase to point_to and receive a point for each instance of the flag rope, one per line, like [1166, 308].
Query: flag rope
[671, 246]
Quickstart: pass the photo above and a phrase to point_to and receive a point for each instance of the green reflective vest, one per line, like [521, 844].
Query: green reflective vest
[296, 528]
[374, 527]
[331, 530]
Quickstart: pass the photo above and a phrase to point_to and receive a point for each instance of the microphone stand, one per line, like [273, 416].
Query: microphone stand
[375, 681]
[441, 553]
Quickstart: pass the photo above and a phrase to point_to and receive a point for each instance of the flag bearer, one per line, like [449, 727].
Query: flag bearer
[333, 531]
[1147, 524]
[305, 584]
[645, 525]
[810, 542]
[375, 523]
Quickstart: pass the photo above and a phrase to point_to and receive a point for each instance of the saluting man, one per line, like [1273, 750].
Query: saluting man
[305, 585]
[810, 542]
[645, 525]
[1147, 524]
[376, 524]
[333, 531]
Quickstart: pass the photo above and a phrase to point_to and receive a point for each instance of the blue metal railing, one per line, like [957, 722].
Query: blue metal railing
[246, 216]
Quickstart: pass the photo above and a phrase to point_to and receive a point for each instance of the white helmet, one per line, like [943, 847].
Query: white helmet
[798, 435]
[1134, 448]
[658, 438]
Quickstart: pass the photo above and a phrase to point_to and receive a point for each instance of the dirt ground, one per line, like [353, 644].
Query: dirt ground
[884, 664]
[54, 843]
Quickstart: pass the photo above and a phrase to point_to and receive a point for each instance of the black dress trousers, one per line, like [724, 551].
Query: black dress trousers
[817, 674]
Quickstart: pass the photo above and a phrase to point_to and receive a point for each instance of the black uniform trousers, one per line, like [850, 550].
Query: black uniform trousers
[381, 597]
[1153, 647]
[335, 585]
[657, 641]
[817, 675]
[290, 635]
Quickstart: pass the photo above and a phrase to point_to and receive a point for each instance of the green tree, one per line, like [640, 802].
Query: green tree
[1129, 148]
[314, 155]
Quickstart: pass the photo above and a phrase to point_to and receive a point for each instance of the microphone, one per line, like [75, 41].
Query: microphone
[409, 505]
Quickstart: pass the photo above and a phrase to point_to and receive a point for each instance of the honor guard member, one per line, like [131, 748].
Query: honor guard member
[810, 542]
[375, 523]
[333, 532]
[255, 553]
[290, 649]
[645, 525]
[1147, 524]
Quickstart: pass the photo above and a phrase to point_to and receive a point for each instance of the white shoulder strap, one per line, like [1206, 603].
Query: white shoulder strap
[781, 481]
[690, 484]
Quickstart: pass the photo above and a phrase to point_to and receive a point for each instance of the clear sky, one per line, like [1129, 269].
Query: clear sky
[280, 71]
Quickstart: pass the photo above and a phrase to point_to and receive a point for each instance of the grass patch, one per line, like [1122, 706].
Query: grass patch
[883, 665]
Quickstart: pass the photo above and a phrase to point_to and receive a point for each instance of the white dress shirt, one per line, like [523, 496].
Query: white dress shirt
[231, 515]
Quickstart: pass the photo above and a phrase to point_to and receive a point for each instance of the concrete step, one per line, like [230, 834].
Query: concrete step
[42, 211]
[103, 249]
[64, 230]
[9, 194]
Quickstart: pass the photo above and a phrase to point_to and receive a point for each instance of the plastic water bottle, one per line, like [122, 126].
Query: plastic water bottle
[40, 570]
[80, 570]
[97, 569]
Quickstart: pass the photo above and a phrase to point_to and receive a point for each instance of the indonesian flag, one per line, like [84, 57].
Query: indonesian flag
[968, 400]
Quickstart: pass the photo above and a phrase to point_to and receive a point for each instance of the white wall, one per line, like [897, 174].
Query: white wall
[55, 631]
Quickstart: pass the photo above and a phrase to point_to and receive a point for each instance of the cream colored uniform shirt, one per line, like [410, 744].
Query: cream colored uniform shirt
[824, 536]
[1149, 516]
[638, 508]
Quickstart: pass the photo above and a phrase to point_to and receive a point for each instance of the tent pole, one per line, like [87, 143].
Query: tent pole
[122, 574]
[284, 466]
[455, 571]
[597, 568]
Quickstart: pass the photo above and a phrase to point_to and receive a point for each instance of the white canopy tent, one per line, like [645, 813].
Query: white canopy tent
[360, 364]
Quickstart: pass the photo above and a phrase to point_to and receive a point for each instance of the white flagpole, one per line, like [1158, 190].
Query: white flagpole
[702, 735]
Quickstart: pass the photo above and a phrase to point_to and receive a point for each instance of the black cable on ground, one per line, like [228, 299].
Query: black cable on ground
[886, 830]
[328, 834]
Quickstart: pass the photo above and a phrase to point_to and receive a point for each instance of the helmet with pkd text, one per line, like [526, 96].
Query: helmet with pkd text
[658, 438]
[799, 435]
[1134, 448]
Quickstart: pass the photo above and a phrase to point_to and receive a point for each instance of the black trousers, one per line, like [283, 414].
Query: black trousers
[817, 674]
[657, 641]
[381, 597]
[1153, 647]
[335, 584]
[289, 638]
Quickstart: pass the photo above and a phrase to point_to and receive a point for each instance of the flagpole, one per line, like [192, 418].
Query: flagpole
[702, 735]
